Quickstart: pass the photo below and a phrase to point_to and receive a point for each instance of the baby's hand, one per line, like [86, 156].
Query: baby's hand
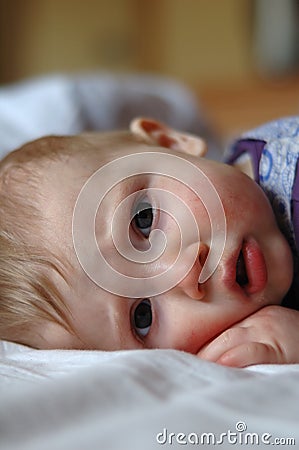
[269, 336]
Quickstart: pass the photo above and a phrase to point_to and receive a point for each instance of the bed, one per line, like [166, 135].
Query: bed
[68, 400]
[60, 399]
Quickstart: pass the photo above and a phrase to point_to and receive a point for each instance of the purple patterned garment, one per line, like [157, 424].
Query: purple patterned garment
[274, 152]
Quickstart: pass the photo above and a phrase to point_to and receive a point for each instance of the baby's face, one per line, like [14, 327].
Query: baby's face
[167, 307]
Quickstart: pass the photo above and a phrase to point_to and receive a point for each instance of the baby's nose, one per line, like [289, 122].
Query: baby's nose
[190, 284]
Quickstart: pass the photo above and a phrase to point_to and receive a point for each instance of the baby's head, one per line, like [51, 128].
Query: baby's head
[60, 195]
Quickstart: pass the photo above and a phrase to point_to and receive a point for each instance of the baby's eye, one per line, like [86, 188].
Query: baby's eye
[143, 218]
[142, 317]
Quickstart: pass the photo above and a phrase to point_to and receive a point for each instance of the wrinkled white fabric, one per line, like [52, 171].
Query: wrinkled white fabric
[68, 400]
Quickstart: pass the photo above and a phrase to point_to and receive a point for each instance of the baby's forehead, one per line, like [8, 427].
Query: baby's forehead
[94, 150]
[103, 144]
[64, 163]
[108, 146]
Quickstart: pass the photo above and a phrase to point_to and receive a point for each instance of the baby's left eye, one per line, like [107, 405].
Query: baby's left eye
[143, 218]
[142, 317]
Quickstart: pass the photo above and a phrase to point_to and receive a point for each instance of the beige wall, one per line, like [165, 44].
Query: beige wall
[69, 34]
[199, 41]
[207, 39]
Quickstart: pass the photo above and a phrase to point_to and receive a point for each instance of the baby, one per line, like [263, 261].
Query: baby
[84, 218]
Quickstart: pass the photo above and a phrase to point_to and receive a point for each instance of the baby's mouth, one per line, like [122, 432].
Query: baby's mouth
[241, 274]
[251, 270]
[247, 269]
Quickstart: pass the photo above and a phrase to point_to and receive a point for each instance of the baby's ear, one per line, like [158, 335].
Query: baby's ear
[157, 133]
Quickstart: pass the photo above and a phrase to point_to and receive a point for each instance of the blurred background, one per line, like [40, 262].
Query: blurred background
[240, 57]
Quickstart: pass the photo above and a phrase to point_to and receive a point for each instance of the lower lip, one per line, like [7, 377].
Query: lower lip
[255, 267]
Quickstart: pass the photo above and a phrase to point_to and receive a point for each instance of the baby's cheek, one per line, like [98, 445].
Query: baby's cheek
[191, 337]
[198, 334]
[192, 342]
[176, 335]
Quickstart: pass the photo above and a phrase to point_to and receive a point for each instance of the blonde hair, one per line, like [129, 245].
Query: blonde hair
[28, 293]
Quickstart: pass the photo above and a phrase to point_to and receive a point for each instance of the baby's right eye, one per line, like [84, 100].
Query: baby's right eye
[143, 218]
[142, 317]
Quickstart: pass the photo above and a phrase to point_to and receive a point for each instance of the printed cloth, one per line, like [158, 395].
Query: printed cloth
[274, 152]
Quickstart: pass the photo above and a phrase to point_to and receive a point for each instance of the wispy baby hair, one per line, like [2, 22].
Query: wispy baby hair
[28, 294]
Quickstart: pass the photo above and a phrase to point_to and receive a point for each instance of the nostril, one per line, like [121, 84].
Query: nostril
[203, 253]
[201, 292]
[189, 284]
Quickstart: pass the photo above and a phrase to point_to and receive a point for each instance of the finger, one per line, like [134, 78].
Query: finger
[249, 354]
[227, 340]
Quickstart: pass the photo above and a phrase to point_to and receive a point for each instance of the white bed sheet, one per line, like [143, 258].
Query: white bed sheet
[59, 399]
